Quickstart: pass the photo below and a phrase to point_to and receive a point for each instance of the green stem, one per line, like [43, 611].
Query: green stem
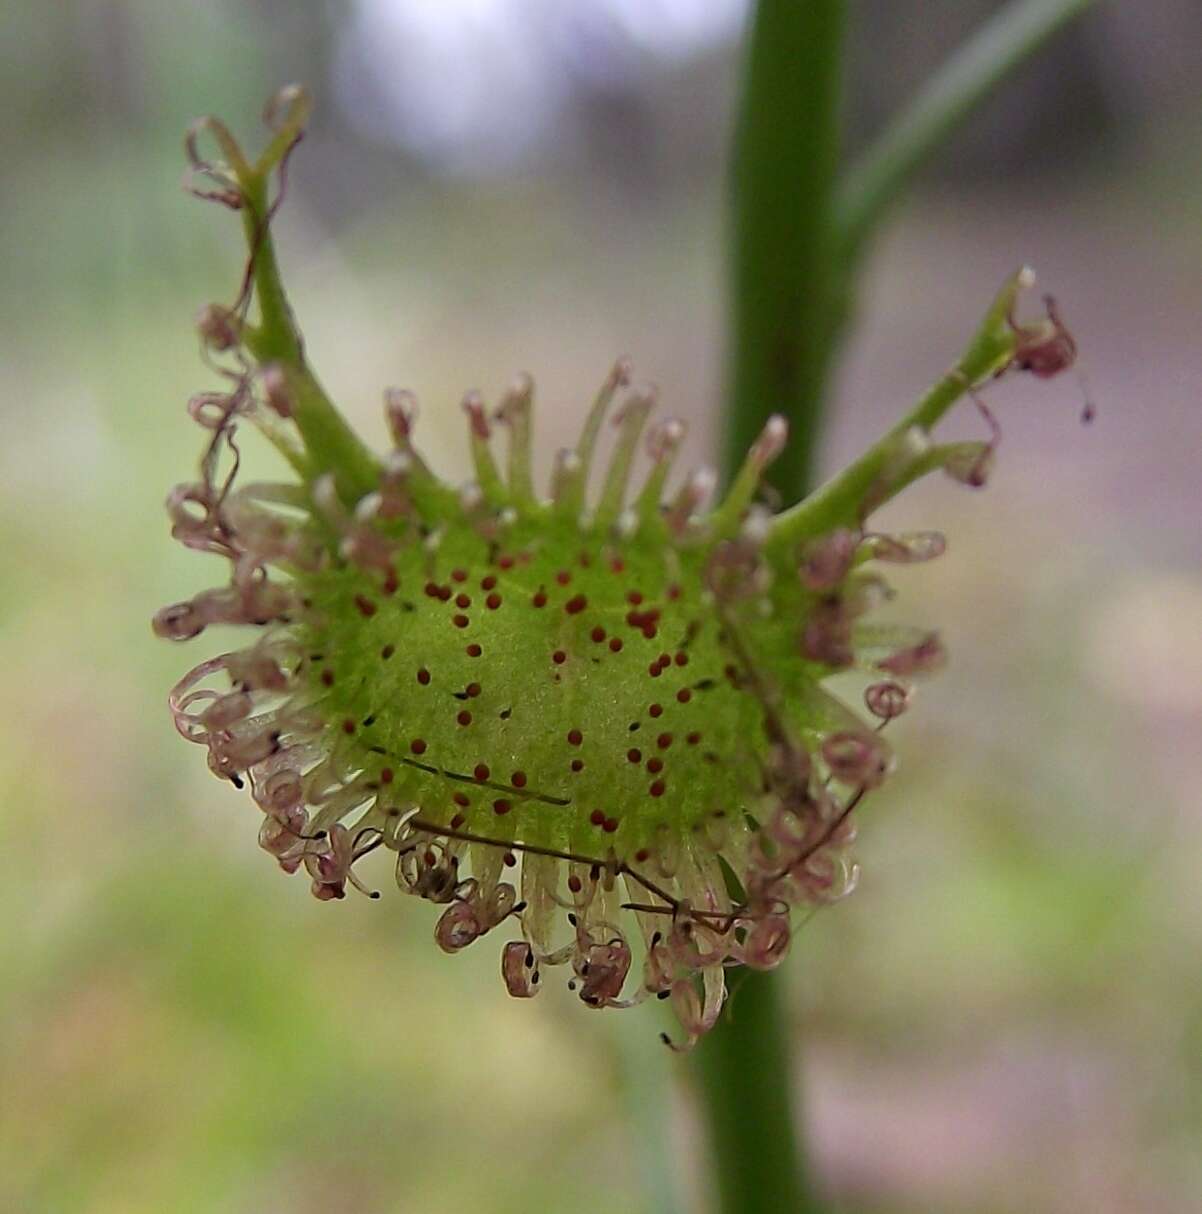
[973, 72]
[331, 444]
[747, 1077]
[785, 161]
[888, 466]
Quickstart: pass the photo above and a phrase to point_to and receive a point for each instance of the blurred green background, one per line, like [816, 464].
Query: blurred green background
[1007, 1016]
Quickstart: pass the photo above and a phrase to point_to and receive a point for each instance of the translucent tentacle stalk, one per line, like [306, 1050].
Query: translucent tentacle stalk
[573, 499]
[515, 411]
[630, 421]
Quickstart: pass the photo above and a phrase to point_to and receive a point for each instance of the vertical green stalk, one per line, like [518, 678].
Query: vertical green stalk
[747, 1081]
[785, 161]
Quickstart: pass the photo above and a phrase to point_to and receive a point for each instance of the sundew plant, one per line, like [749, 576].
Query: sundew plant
[590, 718]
